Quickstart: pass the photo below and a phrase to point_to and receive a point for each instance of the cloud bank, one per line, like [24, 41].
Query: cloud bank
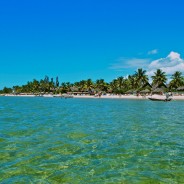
[172, 63]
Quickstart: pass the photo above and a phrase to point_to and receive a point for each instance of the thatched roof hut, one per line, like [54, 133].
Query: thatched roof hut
[74, 88]
[158, 90]
[181, 88]
[131, 91]
[145, 91]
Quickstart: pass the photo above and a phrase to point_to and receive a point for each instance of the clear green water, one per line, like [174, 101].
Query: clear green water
[50, 140]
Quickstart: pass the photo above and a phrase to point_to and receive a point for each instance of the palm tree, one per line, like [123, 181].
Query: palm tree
[113, 86]
[42, 85]
[120, 81]
[35, 85]
[141, 77]
[159, 79]
[57, 82]
[132, 82]
[82, 85]
[51, 85]
[64, 87]
[17, 89]
[119, 85]
[89, 84]
[101, 85]
[76, 86]
[177, 80]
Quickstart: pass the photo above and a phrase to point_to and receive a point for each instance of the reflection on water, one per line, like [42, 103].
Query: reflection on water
[91, 141]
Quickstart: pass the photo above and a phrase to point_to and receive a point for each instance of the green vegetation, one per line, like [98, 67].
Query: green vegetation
[137, 82]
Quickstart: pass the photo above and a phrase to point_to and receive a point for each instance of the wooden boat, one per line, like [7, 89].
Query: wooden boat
[159, 99]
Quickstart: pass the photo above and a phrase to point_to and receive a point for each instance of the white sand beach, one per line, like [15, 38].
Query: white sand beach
[108, 96]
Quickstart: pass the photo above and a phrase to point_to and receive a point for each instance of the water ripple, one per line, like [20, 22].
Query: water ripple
[91, 141]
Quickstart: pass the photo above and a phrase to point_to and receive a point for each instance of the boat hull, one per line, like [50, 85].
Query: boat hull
[157, 99]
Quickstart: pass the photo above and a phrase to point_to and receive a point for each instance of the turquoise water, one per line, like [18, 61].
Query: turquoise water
[51, 140]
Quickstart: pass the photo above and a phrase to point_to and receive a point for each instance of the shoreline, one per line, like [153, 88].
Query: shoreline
[129, 97]
[174, 97]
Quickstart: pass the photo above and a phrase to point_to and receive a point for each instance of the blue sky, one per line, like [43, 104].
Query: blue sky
[84, 39]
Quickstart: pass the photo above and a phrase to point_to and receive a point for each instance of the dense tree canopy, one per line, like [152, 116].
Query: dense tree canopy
[136, 82]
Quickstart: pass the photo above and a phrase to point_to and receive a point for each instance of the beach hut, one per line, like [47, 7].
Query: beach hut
[159, 91]
[74, 88]
[131, 91]
[145, 91]
[181, 88]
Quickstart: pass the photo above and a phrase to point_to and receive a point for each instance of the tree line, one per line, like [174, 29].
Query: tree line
[136, 82]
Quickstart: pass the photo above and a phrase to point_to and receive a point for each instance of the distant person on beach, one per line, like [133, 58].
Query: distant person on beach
[168, 95]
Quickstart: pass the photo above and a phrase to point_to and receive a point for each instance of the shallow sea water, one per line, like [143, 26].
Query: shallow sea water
[52, 140]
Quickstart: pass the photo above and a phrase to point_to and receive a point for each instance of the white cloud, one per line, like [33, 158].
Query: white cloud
[172, 63]
[174, 55]
[151, 52]
[123, 63]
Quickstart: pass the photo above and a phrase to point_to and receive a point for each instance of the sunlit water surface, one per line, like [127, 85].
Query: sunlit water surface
[52, 140]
